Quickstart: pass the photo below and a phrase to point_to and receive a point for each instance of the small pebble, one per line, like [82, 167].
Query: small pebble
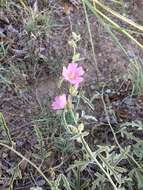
[108, 91]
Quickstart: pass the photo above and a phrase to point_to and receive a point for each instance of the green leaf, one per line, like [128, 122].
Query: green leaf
[139, 177]
[79, 135]
[65, 181]
[5, 128]
[5, 80]
[39, 136]
[36, 188]
[81, 127]
[76, 57]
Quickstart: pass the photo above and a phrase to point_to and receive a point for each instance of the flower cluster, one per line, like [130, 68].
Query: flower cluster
[73, 74]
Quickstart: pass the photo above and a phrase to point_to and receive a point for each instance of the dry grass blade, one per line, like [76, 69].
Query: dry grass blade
[98, 13]
[119, 28]
[123, 18]
[24, 5]
[27, 160]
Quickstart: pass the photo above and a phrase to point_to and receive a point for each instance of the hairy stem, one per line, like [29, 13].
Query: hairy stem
[89, 152]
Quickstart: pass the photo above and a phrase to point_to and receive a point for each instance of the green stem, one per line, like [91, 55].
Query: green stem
[73, 116]
[65, 122]
[89, 152]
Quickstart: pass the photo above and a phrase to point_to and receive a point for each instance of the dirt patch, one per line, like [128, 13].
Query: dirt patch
[47, 88]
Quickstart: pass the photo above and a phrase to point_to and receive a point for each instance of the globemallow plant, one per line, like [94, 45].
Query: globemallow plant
[73, 74]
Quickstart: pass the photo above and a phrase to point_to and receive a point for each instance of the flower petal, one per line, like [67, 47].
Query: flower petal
[64, 73]
[73, 74]
[72, 67]
[59, 102]
[79, 80]
[80, 71]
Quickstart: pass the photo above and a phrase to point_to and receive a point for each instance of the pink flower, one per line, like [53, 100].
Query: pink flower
[73, 74]
[59, 102]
